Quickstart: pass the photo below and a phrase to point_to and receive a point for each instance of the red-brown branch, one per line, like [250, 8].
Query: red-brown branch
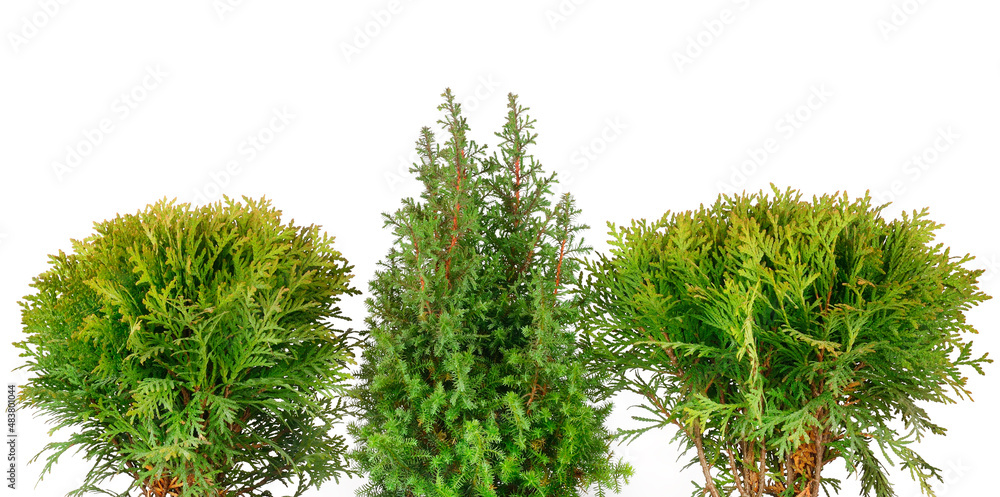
[517, 184]
[762, 472]
[739, 479]
[534, 387]
[454, 220]
[562, 252]
[416, 253]
[814, 485]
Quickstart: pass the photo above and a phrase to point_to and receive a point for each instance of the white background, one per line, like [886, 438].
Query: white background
[642, 107]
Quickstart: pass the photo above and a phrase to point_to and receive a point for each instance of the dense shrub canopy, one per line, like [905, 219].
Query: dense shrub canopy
[189, 349]
[781, 334]
[472, 383]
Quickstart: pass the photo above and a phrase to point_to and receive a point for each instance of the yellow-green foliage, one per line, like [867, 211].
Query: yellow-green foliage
[780, 334]
[189, 349]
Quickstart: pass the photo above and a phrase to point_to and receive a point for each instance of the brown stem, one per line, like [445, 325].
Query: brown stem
[788, 470]
[534, 386]
[670, 352]
[814, 485]
[454, 226]
[736, 473]
[763, 468]
[709, 483]
[562, 252]
[517, 186]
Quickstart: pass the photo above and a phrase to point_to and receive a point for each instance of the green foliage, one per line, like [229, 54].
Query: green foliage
[472, 383]
[188, 349]
[779, 335]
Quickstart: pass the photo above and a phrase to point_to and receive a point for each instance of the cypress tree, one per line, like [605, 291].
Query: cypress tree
[189, 349]
[472, 382]
[780, 335]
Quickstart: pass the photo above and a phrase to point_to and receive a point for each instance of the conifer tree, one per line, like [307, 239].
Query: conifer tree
[189, 350]
[780, 335]
[472, 383]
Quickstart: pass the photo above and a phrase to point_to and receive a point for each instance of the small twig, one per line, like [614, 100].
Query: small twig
[562, 252]
[788, 470]
[709, 483]
[763, 468]
[737, 479]
[534, 386]
[534, 245]
[517, 186]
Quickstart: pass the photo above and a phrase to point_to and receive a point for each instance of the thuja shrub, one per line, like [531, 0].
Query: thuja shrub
[472, 382]
[780, 335]
[190, 350]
